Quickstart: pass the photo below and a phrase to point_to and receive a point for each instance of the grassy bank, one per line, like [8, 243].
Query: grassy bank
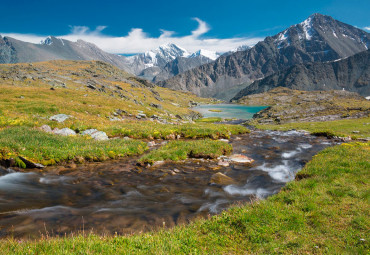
[355, 128]
[148, 129]
[181, 150]
[49, 149]
[326, 210]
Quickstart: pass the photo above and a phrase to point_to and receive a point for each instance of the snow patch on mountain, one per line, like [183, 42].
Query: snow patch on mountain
[47, 41]
[205, 53]
[308, 28]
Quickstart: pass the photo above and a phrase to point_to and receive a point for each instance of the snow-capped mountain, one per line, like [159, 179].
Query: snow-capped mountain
[205, 53]
[319, 38]
[156, 58]
[167, 60]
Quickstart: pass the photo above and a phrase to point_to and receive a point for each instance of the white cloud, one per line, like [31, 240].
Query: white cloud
[137, 41]
[367, 28]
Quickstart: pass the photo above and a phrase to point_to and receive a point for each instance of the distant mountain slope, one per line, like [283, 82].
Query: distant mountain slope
[92, 86]
[319, 38]
[52, 48]
[351, 74]
[167, 61]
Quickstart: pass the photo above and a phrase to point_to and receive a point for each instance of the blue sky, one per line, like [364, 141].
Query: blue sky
[143, 25]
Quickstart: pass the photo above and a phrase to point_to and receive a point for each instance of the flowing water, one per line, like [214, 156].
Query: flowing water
[118, 196]
[228, 110]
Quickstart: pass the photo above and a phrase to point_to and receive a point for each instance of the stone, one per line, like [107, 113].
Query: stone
[96, 134]
[114, 119]
[158, 163]
[355, 131]
[171, 137]
[30, 164]
[239, 158]
[223, 163]
[151, 144]
[64, 131]
[158, 106]
[126, 138]
[89, 131]
[60, 117]
[46, 128]
[222, 179]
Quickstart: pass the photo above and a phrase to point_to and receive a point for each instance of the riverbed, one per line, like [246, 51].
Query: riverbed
[121, 197]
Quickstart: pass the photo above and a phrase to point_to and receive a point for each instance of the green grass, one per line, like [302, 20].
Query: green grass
[50, 149]
[148, 129]
[342, 128]
[209, 119]
[181, 150]
[325, 211]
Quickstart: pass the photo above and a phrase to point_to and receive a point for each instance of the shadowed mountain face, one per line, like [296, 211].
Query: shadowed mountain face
[318, 39]
[15, 51]
[351, 74]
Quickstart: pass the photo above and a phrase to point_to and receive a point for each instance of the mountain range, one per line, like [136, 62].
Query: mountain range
[52, 48]
[166, 61]
[319, 38]
[159, 64]
[350, 74]
[313, 54]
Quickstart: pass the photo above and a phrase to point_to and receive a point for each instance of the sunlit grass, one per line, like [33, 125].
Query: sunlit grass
[181, 150]
[355, 128]
[49, 149]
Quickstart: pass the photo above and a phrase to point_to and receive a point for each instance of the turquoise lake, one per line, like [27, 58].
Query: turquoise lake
[229, 110]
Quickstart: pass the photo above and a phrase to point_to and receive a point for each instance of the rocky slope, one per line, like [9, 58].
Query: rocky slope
[351, 74]
[52, 48]
[320, 38]
[102, 90]
[287, 105]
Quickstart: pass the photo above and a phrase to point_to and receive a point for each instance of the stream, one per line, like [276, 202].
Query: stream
[121, 197]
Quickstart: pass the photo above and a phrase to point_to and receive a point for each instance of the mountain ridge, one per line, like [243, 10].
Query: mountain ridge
[319, 38]
[351, 74]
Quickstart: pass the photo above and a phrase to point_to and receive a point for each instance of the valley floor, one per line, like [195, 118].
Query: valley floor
[325, 210]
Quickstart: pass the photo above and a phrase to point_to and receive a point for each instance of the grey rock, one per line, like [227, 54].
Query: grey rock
[96, 134]
[64, 131]
[60, 117]
[46, 128]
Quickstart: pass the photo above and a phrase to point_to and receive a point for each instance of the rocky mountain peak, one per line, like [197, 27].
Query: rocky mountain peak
[52, 40]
